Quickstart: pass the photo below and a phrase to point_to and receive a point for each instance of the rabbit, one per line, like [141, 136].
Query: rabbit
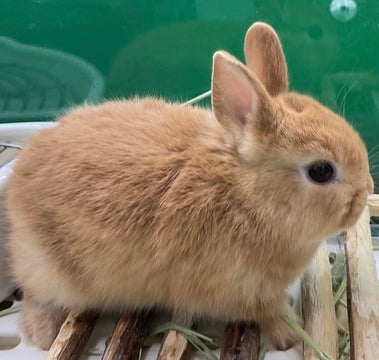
[141, 203]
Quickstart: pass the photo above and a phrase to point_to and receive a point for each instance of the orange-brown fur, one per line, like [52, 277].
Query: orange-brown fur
[143, 203]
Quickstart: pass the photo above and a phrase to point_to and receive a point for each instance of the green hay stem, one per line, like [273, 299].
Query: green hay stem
[306, 338]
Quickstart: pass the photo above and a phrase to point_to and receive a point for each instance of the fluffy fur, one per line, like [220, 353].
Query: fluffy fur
[143, 203]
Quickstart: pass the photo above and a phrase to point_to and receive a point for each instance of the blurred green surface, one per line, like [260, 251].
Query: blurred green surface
[164, 48]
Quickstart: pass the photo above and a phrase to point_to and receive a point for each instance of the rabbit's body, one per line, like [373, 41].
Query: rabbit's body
[146, 200]
[142, 203]
[137, 186]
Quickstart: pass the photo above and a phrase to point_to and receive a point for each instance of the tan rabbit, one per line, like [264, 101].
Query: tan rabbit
[143, 203]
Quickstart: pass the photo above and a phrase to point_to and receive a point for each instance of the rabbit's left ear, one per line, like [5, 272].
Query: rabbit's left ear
[238, 97]
[264, 56]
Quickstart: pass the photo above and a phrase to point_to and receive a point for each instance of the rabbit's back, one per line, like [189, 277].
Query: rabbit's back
[100, 160]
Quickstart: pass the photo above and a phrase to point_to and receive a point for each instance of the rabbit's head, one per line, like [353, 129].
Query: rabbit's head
[301, 164]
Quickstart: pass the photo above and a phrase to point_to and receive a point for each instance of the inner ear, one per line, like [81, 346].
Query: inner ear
[237, 95]
[264, 56]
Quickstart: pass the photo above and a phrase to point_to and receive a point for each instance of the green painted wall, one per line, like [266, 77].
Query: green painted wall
[164, 47]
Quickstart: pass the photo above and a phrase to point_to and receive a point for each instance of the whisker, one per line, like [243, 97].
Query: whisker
[345, 84]
[349, 77]
[374, 159]
[376, 147]
[343, 101]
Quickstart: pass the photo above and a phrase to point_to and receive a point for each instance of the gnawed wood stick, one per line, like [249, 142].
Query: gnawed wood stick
[318, 305]
[175, 346]
[373, 204]
[241, 342]
[73, 336]
[362, 291]
[128, 336]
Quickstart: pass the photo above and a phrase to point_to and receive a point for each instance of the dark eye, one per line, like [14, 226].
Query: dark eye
[321, 172]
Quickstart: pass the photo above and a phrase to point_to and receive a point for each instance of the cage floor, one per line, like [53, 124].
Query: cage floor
[13, 346]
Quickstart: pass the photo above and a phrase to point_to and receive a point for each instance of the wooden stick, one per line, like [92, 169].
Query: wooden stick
[373, 204]
[128, 336]
[318, 305]
[73, 336]
[241, 342]
[175, 346]
[198, 98]
[362, 291]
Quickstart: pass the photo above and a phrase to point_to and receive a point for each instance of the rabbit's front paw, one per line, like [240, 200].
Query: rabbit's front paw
[280, 335]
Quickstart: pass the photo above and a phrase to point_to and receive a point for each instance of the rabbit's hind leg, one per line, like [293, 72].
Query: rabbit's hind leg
[41, 322]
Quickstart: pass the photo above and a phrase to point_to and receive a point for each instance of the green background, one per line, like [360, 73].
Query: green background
[164, 47]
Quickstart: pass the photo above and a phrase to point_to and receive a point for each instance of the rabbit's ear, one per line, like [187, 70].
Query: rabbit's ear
[238, 97]
[264, 56]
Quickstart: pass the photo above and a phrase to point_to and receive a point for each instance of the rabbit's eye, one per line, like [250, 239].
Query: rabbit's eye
[321, 172]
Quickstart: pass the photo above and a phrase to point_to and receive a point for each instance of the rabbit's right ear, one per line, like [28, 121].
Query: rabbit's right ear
[238, 97]
[264, 56]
